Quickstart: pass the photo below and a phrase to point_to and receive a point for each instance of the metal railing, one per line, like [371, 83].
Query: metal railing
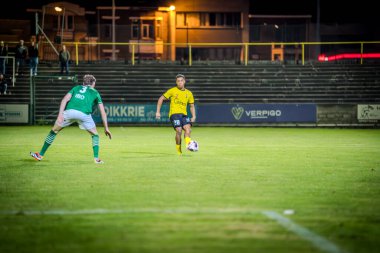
[244, 58]
[191, 53]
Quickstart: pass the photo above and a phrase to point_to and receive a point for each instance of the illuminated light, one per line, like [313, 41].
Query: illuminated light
[57, 8]
[276, 26]
[322, 57]
[172, 7]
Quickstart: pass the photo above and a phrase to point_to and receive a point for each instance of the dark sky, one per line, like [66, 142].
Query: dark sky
[332, 11]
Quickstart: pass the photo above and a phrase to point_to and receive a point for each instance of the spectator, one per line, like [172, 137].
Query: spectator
[33, 57]
[20, 54]
[64, 58]
[3, 53]
[3, 85]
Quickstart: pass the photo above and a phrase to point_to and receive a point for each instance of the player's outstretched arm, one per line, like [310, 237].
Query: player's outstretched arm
[104, 120]
[159, 104]
[192, 110]
[62, 107]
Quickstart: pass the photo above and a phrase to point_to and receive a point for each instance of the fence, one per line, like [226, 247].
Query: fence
[238, 53]
[136, 52]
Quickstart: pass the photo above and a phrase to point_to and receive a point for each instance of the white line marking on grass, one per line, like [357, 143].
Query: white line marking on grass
[317, 240]
[127, 211]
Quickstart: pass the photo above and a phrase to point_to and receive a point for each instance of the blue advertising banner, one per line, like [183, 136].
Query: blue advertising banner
[257, 113]
[133, 113]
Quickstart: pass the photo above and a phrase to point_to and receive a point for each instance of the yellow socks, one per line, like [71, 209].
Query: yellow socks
[187, 140]
[178, 148]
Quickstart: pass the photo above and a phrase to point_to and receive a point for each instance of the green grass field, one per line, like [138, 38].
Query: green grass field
[224, 198]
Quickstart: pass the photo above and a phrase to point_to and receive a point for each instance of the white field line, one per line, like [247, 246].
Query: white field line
[317, 240]
[128, 211]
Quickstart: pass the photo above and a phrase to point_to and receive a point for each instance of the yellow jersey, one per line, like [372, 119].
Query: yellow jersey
[179, 100]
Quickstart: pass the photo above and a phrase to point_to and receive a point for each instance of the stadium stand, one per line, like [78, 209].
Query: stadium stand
[324, 83]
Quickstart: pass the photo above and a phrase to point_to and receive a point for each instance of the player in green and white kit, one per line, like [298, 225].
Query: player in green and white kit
[77, 106]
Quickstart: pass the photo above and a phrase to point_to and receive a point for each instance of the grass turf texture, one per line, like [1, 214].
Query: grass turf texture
[208, 201]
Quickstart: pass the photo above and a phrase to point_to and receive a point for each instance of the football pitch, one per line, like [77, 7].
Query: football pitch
[246, 190]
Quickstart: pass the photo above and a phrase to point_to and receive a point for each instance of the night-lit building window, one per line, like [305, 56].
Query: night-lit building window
[70, 23]
[204, 19]
[181, 19]
[219, 19]
[192, 19]
[212, 19]
[135, 29]
[148, 29]
[145, 31]
[158, 29]
[229, 19]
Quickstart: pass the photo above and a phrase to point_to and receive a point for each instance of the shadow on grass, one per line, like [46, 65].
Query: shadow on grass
[139, 154]
[51, 162]
[29, 160]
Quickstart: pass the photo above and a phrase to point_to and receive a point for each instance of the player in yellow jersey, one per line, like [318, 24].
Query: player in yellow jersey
[179, 97]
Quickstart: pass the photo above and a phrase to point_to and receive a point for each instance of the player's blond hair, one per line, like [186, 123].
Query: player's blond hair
[88, 80]
[180, 75]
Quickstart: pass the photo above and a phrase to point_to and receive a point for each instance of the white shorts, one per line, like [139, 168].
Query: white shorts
[84, 121]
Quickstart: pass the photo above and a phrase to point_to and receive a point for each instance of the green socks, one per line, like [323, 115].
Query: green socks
[48, 141]
[95, 145]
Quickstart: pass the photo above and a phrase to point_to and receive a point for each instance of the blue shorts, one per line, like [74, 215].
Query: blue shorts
[179, 120]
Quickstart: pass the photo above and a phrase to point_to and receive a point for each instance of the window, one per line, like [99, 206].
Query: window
[219, 19]
[229, 19]
[204, 19]
[70, 22]
[212, 18]
[148, 29]
[158, 29]
[224, 19]
[236, 19]
[192, 19]
[145, 31]
[181, 19]
[151, 31]
[135, 29]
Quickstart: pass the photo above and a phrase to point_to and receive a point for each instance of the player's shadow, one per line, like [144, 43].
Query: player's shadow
[139, 154]
[47, 162]
[28, 160]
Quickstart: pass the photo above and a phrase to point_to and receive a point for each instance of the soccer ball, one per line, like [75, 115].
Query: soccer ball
[193, 146]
